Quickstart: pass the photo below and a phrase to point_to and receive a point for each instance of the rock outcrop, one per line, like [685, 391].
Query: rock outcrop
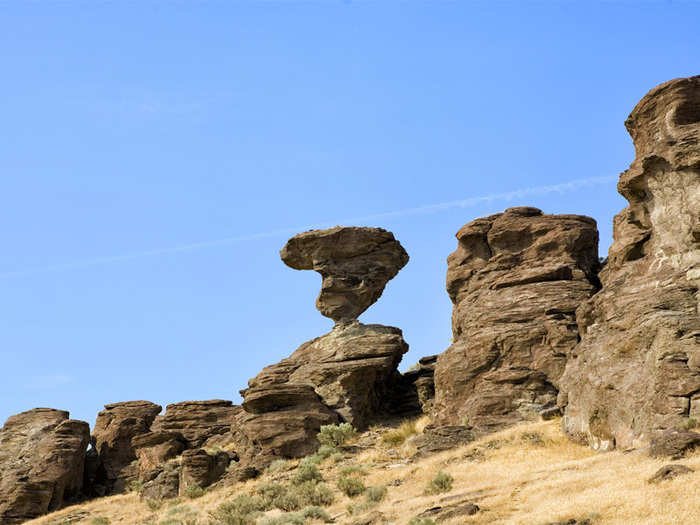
[355, 263]
[198, 421]
[42, 458]
[636, 372]
[346, 375]
[516, 280]
[116, 426]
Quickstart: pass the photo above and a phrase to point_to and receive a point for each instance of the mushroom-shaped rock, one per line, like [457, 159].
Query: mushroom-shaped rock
[355, 263]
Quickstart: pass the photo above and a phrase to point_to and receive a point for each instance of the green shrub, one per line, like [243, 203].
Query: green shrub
[349, 470]
[376, 494]
[243, 510]
[359, 508]
[177, 510]
[316, 513]
[442, 482]
[154, 504]
[311, 460]
[136, 486]
[284, 519]
[335, 435]
[307, 472]
[325, 451]
[421, 521]
[288, 501]
[351, 487]
[313, 493]
[337, 457]
[194, 491]
[269, 492]
[99, 520]
[278, 465]
[532, 438]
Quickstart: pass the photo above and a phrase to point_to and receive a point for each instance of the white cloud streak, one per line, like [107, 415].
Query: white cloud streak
[566, 187]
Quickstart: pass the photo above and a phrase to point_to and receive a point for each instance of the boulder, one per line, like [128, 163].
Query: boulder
[636, 372]
[42, 459]
[673, 443]
[355, 264]
[438, 438]
[516, 280]
[154, 449]
[115, 428]
[201, 469]
[422, 377]
[197, 421]
[669, 472]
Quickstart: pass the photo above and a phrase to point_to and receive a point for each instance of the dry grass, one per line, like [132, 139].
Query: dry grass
[529, 475]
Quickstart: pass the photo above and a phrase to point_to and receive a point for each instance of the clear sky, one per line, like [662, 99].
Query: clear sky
[144, 145]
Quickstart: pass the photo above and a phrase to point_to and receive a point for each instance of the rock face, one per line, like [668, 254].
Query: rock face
[355, 263]
[516, 280]
[197, 421]
[349, 374]
[636, 372]
[422, 377]
[345, 375]
[116, 426]
[42, 458]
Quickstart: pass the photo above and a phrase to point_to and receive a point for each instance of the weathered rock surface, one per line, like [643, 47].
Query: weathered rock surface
[42, 458]
[355, 263]
[422, 377]
[438, 438]
[197, 421]
[154, 449]
[344, 375]
[516, 280]
[636, 372]
[668, 472]
[673, 443]
[115, 428]
[201, 469]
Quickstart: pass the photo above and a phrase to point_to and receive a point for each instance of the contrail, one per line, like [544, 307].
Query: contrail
[566, 187]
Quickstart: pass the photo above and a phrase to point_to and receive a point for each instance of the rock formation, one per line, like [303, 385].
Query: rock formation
[636, 372]
[198, 421]
[42, 457]
[116, 426]
[355, 263]
[516, 280]
[345, 375]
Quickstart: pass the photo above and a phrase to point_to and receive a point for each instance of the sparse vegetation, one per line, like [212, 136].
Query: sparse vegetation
[306, 472]
[376, 494]
[336, 435]
[243, 510]
[349, 486]
[154, 504]
[398, 436]
[99, 520]
[442, 482]
[421, 521]
[194, 491]
[278, 465]
[316, 513]
[349, 470]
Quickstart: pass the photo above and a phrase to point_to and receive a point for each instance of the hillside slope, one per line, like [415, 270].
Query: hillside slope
[529, 474]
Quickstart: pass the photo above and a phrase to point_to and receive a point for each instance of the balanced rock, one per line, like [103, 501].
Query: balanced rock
[355, 263]
[349, 374]
[42, 459]
[197, 421]
[636, 372]
[116, 426]
[516, 280]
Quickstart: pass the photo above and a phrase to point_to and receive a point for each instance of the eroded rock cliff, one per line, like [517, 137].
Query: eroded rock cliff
[636, 372]
[516, 280]
[42, 458]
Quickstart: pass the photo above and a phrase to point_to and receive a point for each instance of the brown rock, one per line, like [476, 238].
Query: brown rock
[197, 421]
[673, 443]
[201, 469]
[42, 458]
[422, 377]
[165, 485]
[355, 263]
[669, 472]
[449, 512]
[637, 369]
[438, 438]
[516, 280]
[115, 428]
[154, 449]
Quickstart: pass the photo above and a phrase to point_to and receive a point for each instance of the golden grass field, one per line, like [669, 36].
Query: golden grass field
[529, 474]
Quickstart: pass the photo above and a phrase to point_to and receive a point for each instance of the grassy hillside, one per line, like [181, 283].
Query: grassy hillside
[530, 474]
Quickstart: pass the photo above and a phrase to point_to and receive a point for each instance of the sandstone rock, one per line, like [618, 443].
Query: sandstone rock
[197, 421]
[422, 377]
[355, 263]
[154, 449]
[343, 375]
[516, 280]
[42, 458]
[115, 428]
[165, 485]
[436, 439]
[669, 472]
[201, 469]
[673, 443]
[636, 371]
[449, 512]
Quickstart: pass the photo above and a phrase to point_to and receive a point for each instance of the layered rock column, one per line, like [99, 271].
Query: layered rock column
[42, 459]
[345, 375]
[636, 372]
[516, 280]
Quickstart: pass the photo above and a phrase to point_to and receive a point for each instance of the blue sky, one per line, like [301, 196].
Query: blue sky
[134, 131]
